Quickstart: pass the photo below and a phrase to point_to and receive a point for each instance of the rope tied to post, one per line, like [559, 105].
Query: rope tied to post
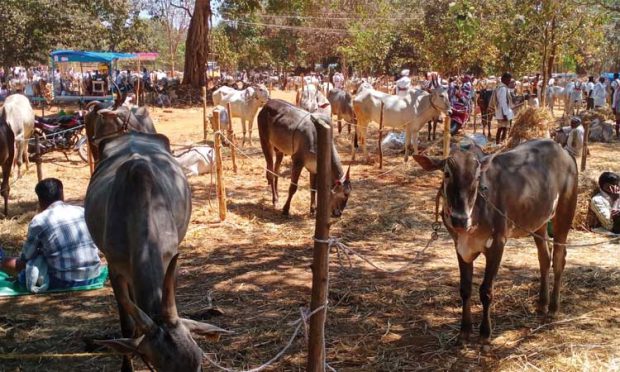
[305, 315]
[342, 250]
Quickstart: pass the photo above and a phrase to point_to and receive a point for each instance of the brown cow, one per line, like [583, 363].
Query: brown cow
[513, 194]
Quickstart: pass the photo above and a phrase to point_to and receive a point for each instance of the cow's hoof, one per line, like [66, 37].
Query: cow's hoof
[485, 348]
[463, 339]
[285, 212]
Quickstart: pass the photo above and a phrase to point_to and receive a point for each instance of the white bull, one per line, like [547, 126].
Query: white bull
[196, 161]
[410, 113]
[20, 117]
[244, 104]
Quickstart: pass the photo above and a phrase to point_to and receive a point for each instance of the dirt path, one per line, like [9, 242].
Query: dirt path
[255, 267]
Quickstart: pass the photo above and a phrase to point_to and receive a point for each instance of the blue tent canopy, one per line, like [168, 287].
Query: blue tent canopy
[89, 56]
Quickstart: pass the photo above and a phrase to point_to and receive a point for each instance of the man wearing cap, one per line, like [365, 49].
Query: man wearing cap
[403, 84]
[574, 144]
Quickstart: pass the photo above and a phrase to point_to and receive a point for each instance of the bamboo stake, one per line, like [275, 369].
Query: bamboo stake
[205, 119]
[381, 137]
[584, 153]
[140, 82]
[320, 261]
[231, 138]
[38, 158]
[446, 137]
[219, 172]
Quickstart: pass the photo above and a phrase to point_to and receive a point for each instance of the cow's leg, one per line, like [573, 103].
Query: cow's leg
[561, 226]
[467, 270]
[493, 258]
[435, 121]
[244, 132]
[312, 193]
[544, 261]
[430, 129]
[407, 143]
[250, 123]
[269, 172]
[127, 325]
[339, 125]
[414, 138]
[276, 170]
[296, 168]
[6, 187]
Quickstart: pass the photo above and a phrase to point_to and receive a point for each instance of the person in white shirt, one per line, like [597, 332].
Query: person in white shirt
[503, 107]
[403, 84]
[606, 204]
[589, 89]
[614, 84]
[338, 80]
[599, 93]
[574, 144]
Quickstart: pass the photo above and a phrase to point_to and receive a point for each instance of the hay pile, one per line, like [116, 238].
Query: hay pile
[586, 189]
[530, 123]
[601, 115]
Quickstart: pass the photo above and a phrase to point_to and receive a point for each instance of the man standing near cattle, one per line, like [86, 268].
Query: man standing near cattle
[606, 204]
[503, 107]
[58, 242]
[403, 84]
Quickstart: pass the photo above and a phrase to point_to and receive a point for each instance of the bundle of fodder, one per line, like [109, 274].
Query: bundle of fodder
[601, 114]
[530, 123]
[586, 189]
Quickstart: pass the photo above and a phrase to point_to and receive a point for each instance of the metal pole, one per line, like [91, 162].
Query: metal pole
[38, 157]
[231, 138]
[320, 262]
[381, 137]
[221, 191]
[205, 119]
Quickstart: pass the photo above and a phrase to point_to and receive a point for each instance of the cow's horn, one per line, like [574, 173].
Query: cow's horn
[168, 300]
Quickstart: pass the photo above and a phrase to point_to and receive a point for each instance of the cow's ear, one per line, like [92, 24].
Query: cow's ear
[204, 329]
[429, 164]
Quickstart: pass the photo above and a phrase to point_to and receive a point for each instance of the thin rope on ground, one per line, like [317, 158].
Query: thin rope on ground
[299, 323]
[343, 249]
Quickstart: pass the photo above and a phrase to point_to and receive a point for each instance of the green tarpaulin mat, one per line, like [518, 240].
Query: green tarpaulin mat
[9, 287]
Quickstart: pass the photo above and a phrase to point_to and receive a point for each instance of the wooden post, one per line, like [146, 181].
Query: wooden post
[320, 261]
[381, 137]
[446, 137]
[231, 138]
[270, 87]
[584, 153]
[205, 119]
[219, 176]
[38, 157]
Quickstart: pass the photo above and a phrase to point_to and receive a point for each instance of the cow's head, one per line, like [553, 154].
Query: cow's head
[440, 100]
[461, 176]
[165, 342]
[103, 122]
[341, 190]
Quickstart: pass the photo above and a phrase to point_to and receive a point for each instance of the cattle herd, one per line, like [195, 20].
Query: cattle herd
[138, 201]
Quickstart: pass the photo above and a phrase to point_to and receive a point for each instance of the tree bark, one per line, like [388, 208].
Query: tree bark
[197, 45]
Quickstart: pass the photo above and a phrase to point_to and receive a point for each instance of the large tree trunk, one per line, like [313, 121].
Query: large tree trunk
[197, 45]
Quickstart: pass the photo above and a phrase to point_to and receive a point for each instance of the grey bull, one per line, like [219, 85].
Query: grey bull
[137, 209]
[342, 106]
[287, 129]
[487, 200]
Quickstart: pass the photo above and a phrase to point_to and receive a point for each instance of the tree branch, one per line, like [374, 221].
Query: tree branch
[179, 6]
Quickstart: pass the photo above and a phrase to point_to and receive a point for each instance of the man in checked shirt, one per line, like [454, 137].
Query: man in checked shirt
[59, 235]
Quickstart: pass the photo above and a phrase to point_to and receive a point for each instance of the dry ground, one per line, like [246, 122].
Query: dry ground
[255, 267]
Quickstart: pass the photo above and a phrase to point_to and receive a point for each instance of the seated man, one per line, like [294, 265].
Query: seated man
[606, 204]
[59, 235]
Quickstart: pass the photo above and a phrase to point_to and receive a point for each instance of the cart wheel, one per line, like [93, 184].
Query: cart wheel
[83, 151]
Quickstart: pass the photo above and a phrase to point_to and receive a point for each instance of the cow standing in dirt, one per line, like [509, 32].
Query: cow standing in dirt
[20, 117]
[287, 129]
[487, 200]
[137, 210]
